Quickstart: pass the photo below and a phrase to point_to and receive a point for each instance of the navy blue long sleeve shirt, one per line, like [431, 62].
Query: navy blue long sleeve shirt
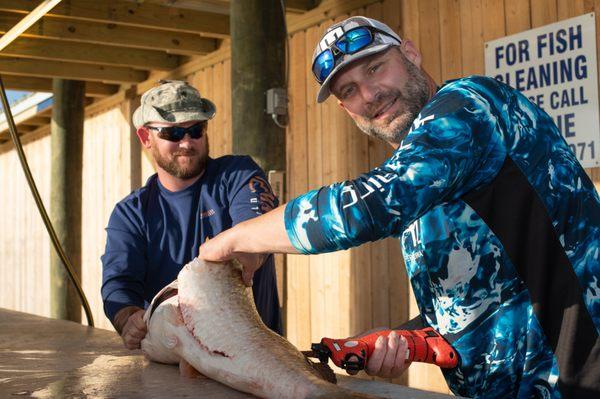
[153, 232]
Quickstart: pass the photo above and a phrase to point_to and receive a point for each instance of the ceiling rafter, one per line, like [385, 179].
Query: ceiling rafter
[116, 46]
[113, 35]
[32, 83]
[68, 70]
[132, 14]
[56, 50]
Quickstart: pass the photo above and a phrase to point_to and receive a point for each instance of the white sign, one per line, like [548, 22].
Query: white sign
[555, 67]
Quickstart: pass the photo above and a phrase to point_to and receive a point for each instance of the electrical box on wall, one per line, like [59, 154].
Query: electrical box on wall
[277, 101]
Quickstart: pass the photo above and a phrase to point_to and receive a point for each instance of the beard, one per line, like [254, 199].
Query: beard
[193, 167]
[413, 97]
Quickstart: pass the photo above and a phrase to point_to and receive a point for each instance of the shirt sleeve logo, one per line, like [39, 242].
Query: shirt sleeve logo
[264, 199]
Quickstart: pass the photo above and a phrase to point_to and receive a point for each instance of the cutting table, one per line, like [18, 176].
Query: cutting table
[48, 358]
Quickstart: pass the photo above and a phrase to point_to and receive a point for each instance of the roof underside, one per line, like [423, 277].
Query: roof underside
[110, 44]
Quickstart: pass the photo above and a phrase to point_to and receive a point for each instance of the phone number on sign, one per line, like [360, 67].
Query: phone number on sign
[583, 150]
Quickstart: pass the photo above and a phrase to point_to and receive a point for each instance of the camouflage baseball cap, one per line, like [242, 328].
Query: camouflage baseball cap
[174, 101]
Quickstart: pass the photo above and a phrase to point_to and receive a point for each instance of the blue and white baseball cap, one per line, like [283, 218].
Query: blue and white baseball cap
[383, 38]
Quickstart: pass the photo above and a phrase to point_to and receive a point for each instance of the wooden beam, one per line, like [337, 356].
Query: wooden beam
[36, 14]
[69, 70]
[216, 6]
[22, 116]
[113, 35]
[293, 6]
[132, 14]
[91, 54]
[222, 6]
[300, 5]
[190, 67]
[36, 121]
[66, 164]
[326, 10]
[257, 64]
[28, 83]
[7, 145]
[24, 128]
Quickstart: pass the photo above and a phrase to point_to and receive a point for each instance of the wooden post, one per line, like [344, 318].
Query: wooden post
[65, 193]
[257, 64]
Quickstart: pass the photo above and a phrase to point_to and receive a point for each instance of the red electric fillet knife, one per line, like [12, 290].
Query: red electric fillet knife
[352, 354]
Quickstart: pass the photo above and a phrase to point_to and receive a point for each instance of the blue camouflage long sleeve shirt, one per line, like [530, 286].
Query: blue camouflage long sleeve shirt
[500, 230]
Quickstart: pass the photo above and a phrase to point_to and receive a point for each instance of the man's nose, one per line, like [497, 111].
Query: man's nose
[370, 93]
[186, 141]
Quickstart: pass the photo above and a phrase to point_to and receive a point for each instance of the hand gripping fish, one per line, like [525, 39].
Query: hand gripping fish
[212, 324]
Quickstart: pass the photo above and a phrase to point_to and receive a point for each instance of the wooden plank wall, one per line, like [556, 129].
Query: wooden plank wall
[24, 247]
[106, 180]
[328, 295]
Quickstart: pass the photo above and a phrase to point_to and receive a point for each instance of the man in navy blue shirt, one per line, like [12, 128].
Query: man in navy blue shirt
[153, 232]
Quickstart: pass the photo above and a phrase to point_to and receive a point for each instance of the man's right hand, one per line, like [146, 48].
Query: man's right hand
[130, 324]
[388, 360]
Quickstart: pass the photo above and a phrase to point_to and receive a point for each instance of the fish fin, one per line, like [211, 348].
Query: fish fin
[188, 371]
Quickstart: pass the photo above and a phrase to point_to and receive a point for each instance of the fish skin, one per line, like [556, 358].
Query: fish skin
[213, 324]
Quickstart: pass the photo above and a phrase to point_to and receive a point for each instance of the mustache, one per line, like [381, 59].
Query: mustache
[380, 101]
[185, 153]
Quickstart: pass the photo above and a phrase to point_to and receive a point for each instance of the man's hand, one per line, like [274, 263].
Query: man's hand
[388, 360]
[250, 264]
[220, 248]
[130, 324]
[261, 235]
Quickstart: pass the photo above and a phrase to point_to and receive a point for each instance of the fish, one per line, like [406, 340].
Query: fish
[208, 319]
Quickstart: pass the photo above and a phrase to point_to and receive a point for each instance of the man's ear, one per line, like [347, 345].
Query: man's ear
[144, 136]
[411, 52]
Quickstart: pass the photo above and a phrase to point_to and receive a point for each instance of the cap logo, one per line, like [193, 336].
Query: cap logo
[331, 37]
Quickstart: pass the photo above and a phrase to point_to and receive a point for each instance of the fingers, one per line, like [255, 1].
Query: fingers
[248, 276]
[134, 330]
[218, 248]
[250, 263]
[401, 363]
[138, 320]
[389, 357]
[376, 360]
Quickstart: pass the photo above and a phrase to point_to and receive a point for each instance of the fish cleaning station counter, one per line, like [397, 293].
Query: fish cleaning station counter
[49, 358]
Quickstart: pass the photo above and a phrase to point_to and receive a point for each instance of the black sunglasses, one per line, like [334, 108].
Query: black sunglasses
[177, 133]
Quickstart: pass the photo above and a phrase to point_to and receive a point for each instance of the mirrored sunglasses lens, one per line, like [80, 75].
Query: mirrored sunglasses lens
[323, 65]
[356, 39]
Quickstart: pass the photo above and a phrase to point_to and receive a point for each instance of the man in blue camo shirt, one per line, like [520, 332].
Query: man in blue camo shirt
[499, 224]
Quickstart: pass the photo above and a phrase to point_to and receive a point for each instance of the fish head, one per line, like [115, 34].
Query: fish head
[162, 320]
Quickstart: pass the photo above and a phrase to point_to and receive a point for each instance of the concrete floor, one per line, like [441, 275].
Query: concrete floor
[47, 358]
